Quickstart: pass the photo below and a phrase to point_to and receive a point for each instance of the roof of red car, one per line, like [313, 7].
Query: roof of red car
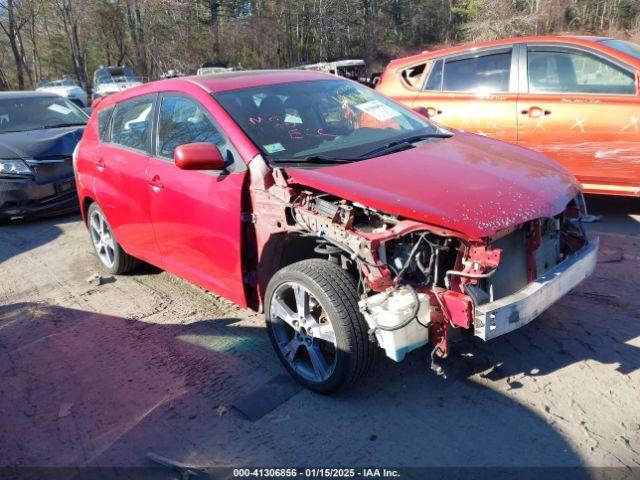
[253, 78]
[219, 82]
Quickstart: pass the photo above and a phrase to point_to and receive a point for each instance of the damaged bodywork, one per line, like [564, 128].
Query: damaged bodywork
[418, 281]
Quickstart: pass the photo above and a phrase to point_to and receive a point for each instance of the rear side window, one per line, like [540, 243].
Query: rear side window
[104, 117]
[483, 74]
[434, 82]
[571, 71]
[131, 124]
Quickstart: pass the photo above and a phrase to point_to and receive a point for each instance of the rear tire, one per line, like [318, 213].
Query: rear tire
[111, 255]
[315, 325]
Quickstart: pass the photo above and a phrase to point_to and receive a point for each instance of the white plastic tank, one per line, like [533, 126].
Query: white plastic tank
[393, 308]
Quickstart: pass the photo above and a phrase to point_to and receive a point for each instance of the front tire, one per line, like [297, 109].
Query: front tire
[315, 325]
[111, 255]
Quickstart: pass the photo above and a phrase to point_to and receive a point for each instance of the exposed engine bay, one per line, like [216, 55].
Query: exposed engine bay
[417, 282]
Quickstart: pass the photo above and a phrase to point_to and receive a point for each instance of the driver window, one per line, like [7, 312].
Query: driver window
[182, 121]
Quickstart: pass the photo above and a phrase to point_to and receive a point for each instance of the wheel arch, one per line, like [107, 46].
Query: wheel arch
[84, 207]
[281, 250]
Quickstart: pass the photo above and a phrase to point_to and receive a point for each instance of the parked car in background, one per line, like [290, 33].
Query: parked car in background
[349, 219]
[214, 68]
[172, 73]
[575, 99]
[38, 133]
[353, 69]
[108, 80]
[65, 87]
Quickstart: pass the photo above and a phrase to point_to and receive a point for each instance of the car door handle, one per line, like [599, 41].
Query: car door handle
[100, 165]
[155, 183]
[535, 112]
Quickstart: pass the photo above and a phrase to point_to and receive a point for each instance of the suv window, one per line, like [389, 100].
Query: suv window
[434, 82]
[572, 71]
[182, 121]
[487, 72]
[132, 123]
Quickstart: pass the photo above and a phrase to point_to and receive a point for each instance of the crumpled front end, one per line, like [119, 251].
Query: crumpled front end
[417, 282]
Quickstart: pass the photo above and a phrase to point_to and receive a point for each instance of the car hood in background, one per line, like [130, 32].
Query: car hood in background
[116, 87]
[64, 91]
[40, 143]
[466, 183]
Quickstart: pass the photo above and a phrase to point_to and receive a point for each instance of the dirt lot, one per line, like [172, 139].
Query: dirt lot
[100, 375]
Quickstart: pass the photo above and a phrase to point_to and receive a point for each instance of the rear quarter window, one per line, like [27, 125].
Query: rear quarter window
[412, 76]
[104, 121]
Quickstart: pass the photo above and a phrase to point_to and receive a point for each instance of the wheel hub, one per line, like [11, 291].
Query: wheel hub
[304, 333]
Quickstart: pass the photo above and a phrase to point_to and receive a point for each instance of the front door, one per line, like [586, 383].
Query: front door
[475, 92]
[582, 110]
[120, 163]
[196, 214]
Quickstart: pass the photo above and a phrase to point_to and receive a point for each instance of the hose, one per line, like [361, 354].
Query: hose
[448, 273]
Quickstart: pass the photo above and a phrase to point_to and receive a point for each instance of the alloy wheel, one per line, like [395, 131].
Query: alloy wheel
[303, 332]
[102, 239]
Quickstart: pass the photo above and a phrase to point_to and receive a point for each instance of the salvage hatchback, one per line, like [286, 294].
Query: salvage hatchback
[350, 220]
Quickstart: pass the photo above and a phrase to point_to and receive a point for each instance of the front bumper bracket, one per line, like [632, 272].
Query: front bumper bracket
[518, 309]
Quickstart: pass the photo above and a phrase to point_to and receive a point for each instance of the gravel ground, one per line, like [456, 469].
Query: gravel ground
[100, 375]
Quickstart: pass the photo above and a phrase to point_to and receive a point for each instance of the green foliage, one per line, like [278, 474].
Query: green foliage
[628, 13]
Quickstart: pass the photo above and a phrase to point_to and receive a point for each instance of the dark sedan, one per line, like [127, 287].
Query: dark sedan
[38, 133]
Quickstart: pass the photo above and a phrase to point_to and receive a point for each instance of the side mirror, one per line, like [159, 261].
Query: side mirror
[422, 111]
[198, 156]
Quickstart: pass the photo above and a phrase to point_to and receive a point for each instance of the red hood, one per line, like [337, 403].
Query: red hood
[466, 183]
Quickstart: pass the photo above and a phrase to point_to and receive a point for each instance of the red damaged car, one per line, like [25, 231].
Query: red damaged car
[351, 221]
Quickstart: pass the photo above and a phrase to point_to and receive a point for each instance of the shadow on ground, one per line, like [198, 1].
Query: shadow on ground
[40, 232]
[81, 388]
[619, 215]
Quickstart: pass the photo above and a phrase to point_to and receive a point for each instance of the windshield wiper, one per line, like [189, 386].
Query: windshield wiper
[401, 144]
[313, 159]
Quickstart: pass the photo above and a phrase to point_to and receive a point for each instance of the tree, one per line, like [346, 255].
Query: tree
[12, 25]
[71, 28]
[46, 39]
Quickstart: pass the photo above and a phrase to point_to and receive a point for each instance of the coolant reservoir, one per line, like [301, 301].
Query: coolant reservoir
[392, 308]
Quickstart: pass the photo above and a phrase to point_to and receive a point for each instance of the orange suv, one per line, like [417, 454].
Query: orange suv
[575, 99]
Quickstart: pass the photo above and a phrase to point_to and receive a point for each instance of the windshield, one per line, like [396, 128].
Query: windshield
[328, 118]
[23, 114]
[629, 48]
[56, 83]
[115, 75]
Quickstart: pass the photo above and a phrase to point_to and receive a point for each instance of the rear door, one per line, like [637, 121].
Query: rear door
[474, 91]
[196, 214]
[121, 190]
[582, 109]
